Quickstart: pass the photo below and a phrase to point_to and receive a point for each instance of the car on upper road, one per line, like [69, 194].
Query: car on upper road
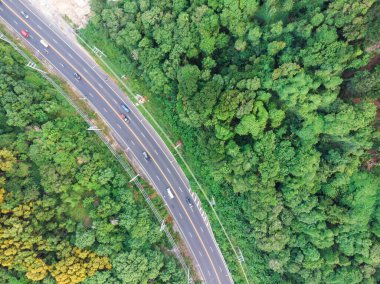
[25, 33]
[25, 15]
[125, 108]
[146, 156]
[125, 118]
[77, 76]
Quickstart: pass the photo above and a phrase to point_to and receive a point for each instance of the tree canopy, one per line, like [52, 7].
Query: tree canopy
[255, 89]
[67, 211]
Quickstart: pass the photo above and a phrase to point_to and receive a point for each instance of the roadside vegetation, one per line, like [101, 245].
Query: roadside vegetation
[275, 103]
[67, 211]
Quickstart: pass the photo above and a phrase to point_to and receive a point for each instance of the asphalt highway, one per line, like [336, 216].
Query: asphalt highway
[135, 137]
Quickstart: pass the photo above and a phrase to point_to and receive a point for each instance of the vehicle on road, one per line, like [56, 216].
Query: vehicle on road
[77, 76]
[25, 15]
[124, 117]
[146, 156]
[170, 193]
[188, 200]
[25, 33]
[125, 108]
[44, 43]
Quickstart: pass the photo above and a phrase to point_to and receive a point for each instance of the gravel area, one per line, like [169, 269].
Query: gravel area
[78, 11]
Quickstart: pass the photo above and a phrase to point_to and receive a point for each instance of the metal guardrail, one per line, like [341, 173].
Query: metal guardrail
[123, 163]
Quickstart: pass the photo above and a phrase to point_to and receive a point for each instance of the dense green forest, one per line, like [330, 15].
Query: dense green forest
[67, 211]
[275, 106]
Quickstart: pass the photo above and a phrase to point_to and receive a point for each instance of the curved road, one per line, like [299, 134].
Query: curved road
[134, 137]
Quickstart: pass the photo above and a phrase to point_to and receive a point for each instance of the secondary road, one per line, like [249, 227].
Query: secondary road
[135, 136]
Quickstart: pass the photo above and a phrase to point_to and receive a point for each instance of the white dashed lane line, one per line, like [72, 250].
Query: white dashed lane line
[91, 95]
[133, 142]
[190, 235]
[119, 125]
[105, 110]
[200, 253]
[158, 177]
[39, 26]
[180, 215]
[211, 249]
[15, 22]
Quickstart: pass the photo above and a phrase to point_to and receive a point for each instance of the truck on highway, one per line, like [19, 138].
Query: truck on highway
[44, 43]
[170, 193]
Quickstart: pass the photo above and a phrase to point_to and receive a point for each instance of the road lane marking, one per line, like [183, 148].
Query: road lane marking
[100, 86]
[158, 177]
[156, 152]
[118, 125]
[201, 229]
[14, 21]
[85, 70]
[211, 249]
[169, 171]
[91, 95]
[208, 271]
[221, 270]
[180, 215]
[133, 142]
[180, 189]
[105, 110]
[106, 101]
[202, 256]
[114, 101]
[39, 26]
[70, 55]
[190, 235]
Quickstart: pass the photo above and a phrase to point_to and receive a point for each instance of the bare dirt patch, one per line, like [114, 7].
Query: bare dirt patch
[78, 11]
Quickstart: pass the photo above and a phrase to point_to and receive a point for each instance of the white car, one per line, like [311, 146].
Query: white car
[26, 16]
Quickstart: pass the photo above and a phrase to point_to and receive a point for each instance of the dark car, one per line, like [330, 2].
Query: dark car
[146, 156]
[77, 76]
[188, 200]
[125, 108]
[124, 117]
